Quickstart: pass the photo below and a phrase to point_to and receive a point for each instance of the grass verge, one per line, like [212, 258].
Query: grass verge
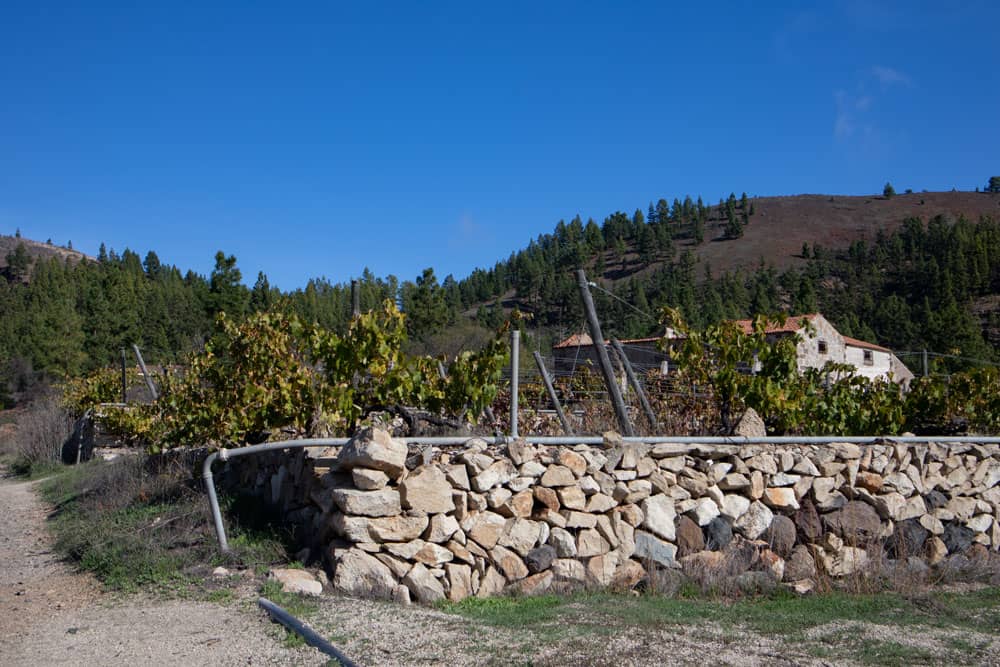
[884, 628]
[136, 530]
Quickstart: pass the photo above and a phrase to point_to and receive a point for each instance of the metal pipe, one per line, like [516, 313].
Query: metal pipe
[602, 353]
[303, 630]
[634, 381]
[567, 429]
[145, 372]
[124, 379]
[515, 356]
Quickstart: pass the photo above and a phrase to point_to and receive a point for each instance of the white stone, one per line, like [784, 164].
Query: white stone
[755, 521]
[658, 516]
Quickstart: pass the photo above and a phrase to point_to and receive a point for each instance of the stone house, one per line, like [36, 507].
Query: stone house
[820, 343]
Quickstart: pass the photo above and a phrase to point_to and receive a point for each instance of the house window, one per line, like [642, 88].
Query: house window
[822, 347]
[869, 358]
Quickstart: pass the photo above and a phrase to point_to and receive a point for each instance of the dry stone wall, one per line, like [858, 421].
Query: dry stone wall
[406, 524]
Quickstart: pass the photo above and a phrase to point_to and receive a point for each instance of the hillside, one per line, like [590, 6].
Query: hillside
[37, 250]
[909, 271]
[780, 225]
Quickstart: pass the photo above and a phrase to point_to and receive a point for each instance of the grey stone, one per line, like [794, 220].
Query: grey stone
[540, 558]
[718, 533]
[957, 537]
[650, 548]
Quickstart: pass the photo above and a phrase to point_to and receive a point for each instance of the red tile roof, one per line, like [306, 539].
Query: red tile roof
[854, 342]
[791, 325]
[575, 340]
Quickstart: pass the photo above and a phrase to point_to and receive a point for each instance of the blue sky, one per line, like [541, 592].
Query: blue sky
[315, 139]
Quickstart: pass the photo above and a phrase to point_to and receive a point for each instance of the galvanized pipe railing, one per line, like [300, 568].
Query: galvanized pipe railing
[226, 454]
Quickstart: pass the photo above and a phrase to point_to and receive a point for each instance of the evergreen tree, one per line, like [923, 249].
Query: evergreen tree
[227, 293]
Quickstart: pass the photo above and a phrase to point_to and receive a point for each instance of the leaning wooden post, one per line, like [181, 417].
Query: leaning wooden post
[567, 429]
[145, 372]
[634, 381]
[602, 354]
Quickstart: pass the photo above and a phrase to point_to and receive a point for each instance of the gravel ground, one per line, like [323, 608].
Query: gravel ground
[50, 615]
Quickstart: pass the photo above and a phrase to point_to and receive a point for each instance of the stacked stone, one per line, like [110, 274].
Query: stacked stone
[526, 518]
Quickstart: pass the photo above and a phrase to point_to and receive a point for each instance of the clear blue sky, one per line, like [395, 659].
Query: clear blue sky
[314, 139]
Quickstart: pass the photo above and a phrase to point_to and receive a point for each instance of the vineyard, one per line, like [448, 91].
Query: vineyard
[274, 375]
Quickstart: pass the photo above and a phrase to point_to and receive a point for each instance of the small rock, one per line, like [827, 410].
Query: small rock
[296, 581]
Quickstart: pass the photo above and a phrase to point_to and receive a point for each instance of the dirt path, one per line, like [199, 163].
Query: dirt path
[50, 615]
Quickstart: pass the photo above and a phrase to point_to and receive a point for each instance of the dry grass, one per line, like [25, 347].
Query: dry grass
[35, 444]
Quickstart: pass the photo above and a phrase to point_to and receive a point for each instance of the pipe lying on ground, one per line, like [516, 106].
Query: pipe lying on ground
[303, 630]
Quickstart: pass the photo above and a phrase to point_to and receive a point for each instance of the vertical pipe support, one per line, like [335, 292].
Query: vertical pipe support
[124, 378]
[515, 353]
[213, 500]
[634, 381]
[567, 429]
[602, 354]
[926, 368]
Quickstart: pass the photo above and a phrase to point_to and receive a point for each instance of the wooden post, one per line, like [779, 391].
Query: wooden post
[145, 372]
[355, 298]
[602, 354]
[567, 429]
[634, 381]
[124, 377]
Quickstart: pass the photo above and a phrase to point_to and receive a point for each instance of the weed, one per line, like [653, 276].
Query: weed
[35, 447]
[140, 530]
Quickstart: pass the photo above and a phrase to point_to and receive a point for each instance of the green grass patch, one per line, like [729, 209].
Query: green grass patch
[136, 530]
[30, 470]
[779, 614]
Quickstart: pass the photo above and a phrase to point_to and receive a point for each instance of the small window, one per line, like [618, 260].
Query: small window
[869, 358]
[822, 347]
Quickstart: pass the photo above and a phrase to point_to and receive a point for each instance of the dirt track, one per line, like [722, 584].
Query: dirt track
[50, 615]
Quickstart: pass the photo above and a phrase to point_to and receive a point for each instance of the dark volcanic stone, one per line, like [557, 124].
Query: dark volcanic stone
[540, 559]
[908, 540]
[807, 522]
[718, 534]
[935, 499]
[957, 537]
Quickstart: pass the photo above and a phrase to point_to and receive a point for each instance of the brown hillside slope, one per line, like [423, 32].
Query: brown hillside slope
[37, 250]
[780, 225]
